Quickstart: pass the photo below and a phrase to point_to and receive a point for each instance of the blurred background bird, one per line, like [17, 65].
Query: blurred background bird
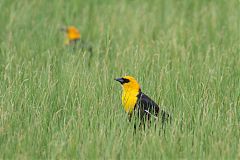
[138, 104]
[73, 38]
[72, 35]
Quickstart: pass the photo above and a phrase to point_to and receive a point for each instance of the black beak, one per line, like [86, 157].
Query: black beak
[121, 80]
[63, 29]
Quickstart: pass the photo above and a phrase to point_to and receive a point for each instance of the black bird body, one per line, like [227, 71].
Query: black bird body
[147, 109]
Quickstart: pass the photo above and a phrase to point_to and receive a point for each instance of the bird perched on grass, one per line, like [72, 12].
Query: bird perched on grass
[72, 35]
[138, 104]
[73, 38]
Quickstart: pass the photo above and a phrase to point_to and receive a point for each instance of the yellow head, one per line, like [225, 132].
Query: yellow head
[129, 83]
[72, 34]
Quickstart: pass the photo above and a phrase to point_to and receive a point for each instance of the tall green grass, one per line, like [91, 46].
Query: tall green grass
[185, 54]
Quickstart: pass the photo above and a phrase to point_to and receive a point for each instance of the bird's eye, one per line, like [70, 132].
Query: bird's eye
[125, 80]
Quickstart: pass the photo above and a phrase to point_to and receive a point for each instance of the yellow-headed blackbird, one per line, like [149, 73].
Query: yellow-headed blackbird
[135, 102]
[73, 37]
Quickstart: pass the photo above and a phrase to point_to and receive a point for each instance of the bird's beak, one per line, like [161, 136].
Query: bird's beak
[63, 29]
[121, 80]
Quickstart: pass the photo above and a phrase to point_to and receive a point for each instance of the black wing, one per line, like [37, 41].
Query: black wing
[147, 109]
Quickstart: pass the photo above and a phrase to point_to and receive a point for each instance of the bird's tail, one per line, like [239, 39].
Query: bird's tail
[166, 118]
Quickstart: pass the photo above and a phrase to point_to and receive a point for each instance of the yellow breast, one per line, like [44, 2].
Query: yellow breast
[129, 99]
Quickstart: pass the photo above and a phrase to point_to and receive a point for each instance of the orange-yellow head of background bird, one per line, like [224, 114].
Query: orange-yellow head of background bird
[72, 34]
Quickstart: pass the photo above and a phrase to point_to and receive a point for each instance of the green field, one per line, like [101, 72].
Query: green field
[185, 54]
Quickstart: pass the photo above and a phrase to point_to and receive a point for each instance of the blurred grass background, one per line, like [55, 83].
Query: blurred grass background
[185, 54]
